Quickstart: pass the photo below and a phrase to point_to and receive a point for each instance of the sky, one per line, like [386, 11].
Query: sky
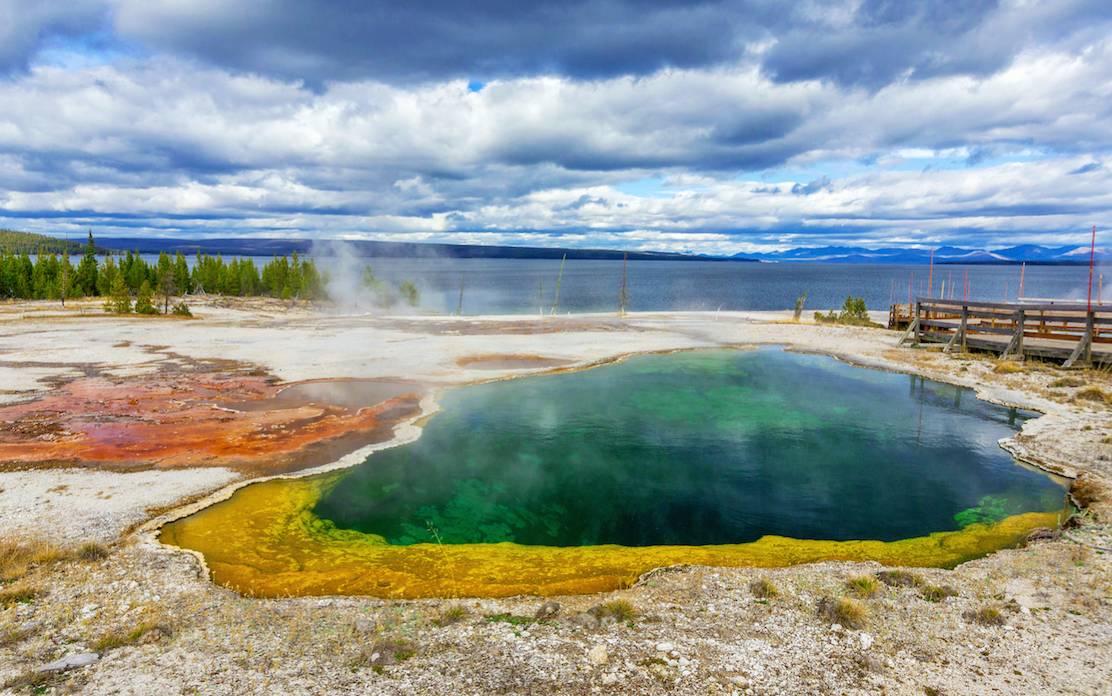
[712, 127]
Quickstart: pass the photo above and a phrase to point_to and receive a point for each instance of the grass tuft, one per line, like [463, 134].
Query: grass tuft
[937, 593]
[451, 615]
[844, 611]
[986, 616]
[764, 589]
[619, 609]
[899, 578]
[1095, 394]
[92, 552]
[863, 585]
[19, 594]
[1007, 367]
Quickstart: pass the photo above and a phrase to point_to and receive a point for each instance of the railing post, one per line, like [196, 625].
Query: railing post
[1082, 355]
[964, 325]
[1019, 327]
[918, 326]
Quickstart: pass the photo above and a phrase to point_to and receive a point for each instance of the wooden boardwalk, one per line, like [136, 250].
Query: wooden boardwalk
[1066, 331]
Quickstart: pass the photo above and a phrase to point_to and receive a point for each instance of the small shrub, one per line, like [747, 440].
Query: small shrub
[181, 309]
[1007, 367]
[451, 615]
[899, 578]
[863, 585]
[844, 611]
[764, 589]
[937, 593]
[92, 552]
[986, 616]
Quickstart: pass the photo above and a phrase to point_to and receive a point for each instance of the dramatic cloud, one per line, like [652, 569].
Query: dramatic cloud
[711, 126]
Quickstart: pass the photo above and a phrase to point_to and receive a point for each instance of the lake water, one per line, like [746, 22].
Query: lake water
[718, 447]
[516, 286]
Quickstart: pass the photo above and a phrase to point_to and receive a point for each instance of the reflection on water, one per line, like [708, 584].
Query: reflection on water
[698, 448]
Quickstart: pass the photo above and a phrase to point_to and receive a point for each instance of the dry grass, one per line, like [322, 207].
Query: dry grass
[937, 593]
[764, 589]
[17, 558]
[1007, 367]
[30, 682]
[1094, 394]
[18, 594]
[986, 616]
[153, 626]
[899, 578]
[844, 611]
[863, 585]
[618, 609]
[92, 552]
[1068, 382]
[385, 652]
[451, 615]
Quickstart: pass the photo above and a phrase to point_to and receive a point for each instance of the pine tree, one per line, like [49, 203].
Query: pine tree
[143, 300]
[85, 281]
[120, 299]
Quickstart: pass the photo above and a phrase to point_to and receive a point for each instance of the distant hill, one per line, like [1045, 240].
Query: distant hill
[1025, 253]
[248, 246]
[30, 243]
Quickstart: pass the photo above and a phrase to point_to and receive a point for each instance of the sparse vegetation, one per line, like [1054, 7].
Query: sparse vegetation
[1007, 367]
[854, 313]
[937, 593]
[152, 628]
[512, 619]
[863, 585]
[1068, 382]
[18, 558]
[92, 552]
[181, 309]
[385, 652]
[1094, 394]
[986, 616]
[619, 609]
[18, 594]
[844, 611]
[764, 589]
[451, 615]
[899, 578]
[797, 311]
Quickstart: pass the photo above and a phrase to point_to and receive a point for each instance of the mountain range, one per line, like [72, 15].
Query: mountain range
[1029, 253]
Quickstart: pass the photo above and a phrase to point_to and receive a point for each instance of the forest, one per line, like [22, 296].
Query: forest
[119, 277]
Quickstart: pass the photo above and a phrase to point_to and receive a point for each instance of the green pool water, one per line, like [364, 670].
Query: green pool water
[696, 448]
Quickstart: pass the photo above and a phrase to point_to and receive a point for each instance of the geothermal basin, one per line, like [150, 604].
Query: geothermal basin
[583, 481]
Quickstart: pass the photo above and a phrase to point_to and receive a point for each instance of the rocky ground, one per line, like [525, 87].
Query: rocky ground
[91, 603]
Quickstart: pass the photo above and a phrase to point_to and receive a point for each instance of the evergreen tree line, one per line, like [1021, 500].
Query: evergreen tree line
[50, 277]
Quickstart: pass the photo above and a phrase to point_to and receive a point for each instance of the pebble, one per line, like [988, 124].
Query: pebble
[866, 640]
[585, 620]
[665, 647]
[598, 655]
[547, 611]
[70, 662]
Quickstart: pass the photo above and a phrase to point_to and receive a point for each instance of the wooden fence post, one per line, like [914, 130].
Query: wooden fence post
[1082, 355]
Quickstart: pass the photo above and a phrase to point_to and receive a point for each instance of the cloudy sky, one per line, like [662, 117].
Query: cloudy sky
[716, 127]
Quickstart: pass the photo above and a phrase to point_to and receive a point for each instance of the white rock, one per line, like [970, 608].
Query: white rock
[866, 640]
[598, 655]
[665, 647]
[70, 662]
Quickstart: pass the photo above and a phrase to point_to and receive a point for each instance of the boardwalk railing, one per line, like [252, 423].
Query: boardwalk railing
[1060, 330]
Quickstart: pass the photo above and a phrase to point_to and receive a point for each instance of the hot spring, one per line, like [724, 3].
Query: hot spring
[581, 482]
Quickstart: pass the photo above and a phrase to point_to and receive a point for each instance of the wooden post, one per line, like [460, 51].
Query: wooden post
[1015, 347]
[958, 339]
[918, 326]
[1082, 355]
